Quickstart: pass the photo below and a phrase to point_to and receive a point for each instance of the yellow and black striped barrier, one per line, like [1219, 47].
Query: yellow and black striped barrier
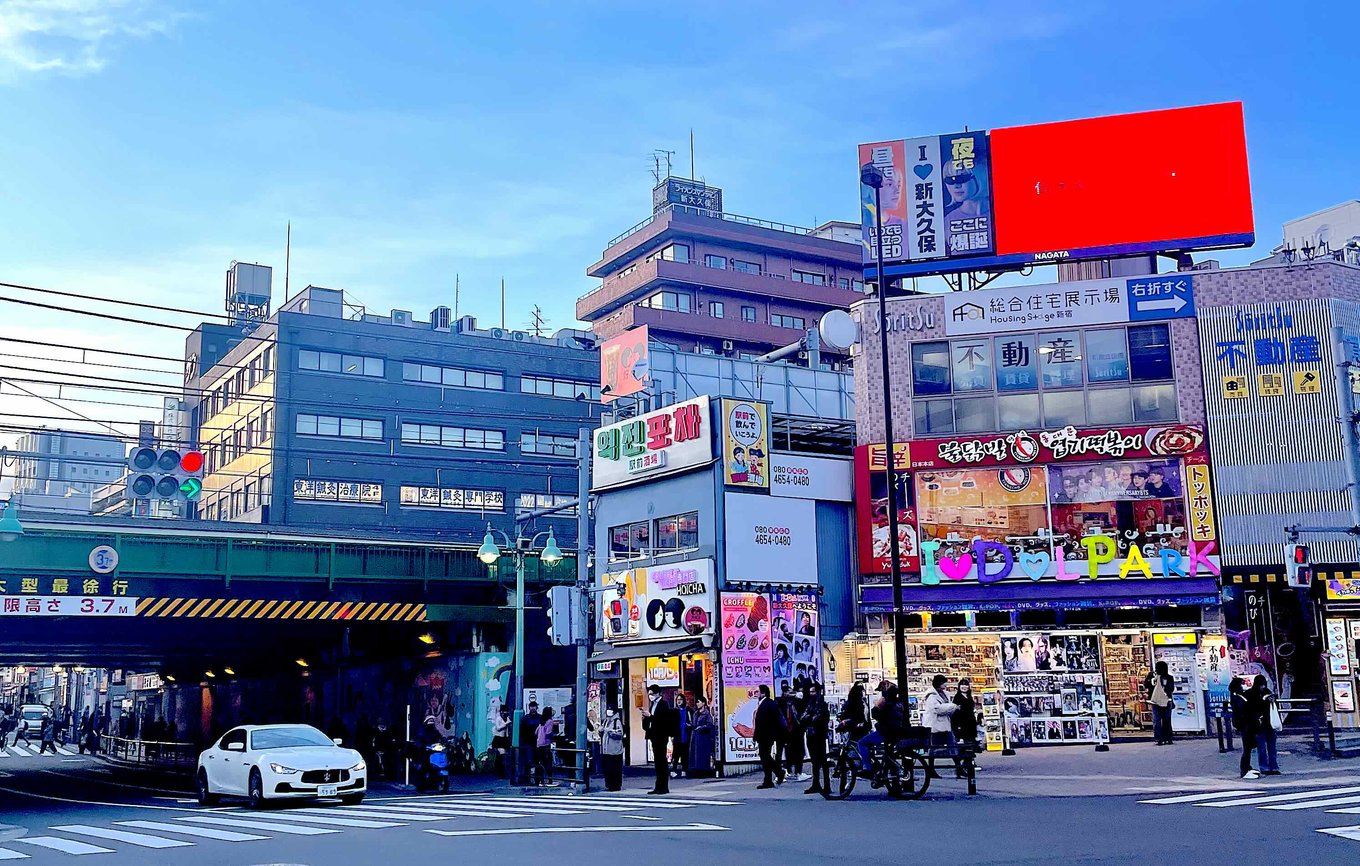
[248, 608]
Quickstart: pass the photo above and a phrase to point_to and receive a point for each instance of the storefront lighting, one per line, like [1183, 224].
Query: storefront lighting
[302, 663]
[426, 638]
[210, 675]
[168, 678]
[229, 672]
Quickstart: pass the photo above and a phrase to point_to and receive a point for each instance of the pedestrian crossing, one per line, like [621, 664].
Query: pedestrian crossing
[233, 826]
[1275, 798]
[33, 750]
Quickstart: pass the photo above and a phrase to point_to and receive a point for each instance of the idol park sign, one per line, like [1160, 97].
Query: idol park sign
[992, 562]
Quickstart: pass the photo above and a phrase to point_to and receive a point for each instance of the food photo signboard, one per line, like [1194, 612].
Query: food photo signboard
[746, 665]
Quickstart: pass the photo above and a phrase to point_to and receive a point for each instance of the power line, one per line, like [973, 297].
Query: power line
[95, 349]
[63, 408]
[89, 364]
[106, 300]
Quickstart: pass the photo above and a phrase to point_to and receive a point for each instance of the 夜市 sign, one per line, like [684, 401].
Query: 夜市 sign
[658, 443]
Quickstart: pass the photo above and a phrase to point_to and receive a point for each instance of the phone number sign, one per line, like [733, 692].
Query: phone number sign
[65, 605]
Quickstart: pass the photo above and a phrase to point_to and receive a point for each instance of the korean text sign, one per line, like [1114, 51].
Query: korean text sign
[662, 442]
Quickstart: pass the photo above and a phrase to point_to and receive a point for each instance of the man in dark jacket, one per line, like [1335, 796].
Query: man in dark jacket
[769, 730]
[660, 723]
[816, 720]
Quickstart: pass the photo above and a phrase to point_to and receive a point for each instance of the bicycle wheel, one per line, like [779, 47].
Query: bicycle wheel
[839, 776]
[915, 775]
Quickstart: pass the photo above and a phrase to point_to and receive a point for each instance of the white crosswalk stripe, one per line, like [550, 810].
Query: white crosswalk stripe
[1280, 798]
[1352, 833]
[6, 854]
[335, 821]
[359, 812]
[139, 839]
[531, 803]
[273, 827]
[1277, 800]
[200, 832]
[437, 813]
[526, 806]
[65, 846]
[1314, 804]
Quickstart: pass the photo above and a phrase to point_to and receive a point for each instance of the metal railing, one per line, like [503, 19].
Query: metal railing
[1300, 715]
[151, 753]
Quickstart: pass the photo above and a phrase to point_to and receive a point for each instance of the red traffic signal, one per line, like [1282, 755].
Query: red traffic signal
[192, 461]
[1300, 554]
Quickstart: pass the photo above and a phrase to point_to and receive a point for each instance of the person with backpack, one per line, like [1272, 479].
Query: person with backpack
[48, 736]
[816, 721]
[1268, 727]
[1246, 719]
[611, 749]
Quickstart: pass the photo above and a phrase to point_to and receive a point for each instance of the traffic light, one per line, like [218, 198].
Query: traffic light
[616, 614]
[1298, 565]
[164, 474]
[560, 617]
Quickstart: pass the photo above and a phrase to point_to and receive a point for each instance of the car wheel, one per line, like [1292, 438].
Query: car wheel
[205, 795]
[352, 799]
[255, 791]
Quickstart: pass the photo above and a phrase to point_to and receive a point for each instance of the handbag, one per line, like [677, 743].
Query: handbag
[1276, 721]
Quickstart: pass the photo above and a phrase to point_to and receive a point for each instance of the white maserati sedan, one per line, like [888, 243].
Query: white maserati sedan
[280, 762]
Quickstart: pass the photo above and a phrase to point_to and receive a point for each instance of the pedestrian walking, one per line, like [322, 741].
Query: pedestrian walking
[1268, 727]
[611, 749]
[769, 731]
[816, 722]
[1160, 687]
[48, 736]
[500, 738]
[658, 722]
[6, 725]
[543, 754]
[21, 729]
[86, 732]
[965, 722]
[791, 706]
[1246, 719]
[937, 713]
[528, 737]
[684, 729]
[701, 740]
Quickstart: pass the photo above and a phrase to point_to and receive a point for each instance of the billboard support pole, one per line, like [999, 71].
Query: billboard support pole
[872, 176]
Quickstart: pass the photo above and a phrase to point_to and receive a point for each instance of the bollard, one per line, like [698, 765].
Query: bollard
[1218, 723]
[1331, 738]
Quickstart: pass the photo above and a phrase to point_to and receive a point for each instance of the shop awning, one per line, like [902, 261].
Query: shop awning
[616, 652]
[1048, 595]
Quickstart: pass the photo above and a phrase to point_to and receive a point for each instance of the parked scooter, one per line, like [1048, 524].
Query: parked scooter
[434, 768]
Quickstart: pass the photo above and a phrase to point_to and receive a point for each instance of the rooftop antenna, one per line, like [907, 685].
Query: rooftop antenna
[537, 322]
[455, 296]
[502, 303]
[692, 175]
[656, 157]
[287, 259]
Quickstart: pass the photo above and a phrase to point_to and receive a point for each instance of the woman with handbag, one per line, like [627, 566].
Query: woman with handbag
[1269, 727]
[1246, 719]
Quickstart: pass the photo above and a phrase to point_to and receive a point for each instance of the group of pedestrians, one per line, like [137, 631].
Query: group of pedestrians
[953, 720]
[679, 734]
[1256, 715]
[791, 731]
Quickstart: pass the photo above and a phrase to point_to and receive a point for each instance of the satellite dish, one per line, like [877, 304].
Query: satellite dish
[838, 330]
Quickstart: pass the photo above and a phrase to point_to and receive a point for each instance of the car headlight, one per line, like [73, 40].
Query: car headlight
[282, 770]
[359, 766]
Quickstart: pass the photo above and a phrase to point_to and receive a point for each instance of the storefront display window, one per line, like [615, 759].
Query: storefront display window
[1017, 363]
[1107, 356]
[959, 505]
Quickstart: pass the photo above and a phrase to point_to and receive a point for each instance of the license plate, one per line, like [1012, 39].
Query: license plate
[326, 791]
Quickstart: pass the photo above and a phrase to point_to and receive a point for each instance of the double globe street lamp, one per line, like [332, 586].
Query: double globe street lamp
[490, 554]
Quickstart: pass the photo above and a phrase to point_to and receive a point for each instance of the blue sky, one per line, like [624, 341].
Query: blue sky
[148, 143]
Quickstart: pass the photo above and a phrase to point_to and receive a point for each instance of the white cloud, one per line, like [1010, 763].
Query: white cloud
[72, 37]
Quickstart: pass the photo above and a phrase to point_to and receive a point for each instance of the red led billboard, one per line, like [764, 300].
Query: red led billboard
[1157, 176]
[1156, 181]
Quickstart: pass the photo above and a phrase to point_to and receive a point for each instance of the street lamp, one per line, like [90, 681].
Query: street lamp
[870, 175]
[10, 527]
[489, 553]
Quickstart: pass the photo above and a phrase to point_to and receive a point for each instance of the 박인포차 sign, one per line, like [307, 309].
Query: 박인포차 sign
[658, 443]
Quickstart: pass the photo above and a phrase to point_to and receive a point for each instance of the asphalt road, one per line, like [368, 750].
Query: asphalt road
[55, 810]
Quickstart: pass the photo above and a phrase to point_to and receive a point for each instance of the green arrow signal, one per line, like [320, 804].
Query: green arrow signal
[191, 488]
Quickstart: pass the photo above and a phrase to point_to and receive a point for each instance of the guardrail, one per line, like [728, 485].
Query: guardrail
[151, 753]
[1298, 714]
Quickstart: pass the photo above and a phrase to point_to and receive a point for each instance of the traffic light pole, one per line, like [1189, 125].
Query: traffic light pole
[582, 597]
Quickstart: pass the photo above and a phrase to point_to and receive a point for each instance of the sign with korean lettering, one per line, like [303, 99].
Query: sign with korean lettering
[66, 605]
[746, 443]
[1056, 446]
[1029, 308]
[658, 443]
[1162, 296]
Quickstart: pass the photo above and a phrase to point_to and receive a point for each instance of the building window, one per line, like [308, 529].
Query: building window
[452, 377]
[346, 428]
[746, 267]
[335, 362]
[748, 314]
[630, 541]
[453, 498]
[528, 502]
[1150, 353]
[719, 262]
[781, 321]
[716, 309]
[552, 444]
[345, 492]
[808, 277]
[546, 386]
[677, 301]
[677, 533]
[441, 436]
[848, 283]
[672, 253]
[930, 368]
[934, 417]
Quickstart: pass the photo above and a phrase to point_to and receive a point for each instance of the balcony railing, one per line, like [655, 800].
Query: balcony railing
[713, 214]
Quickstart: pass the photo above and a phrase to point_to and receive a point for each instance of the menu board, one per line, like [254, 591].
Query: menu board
[1338, 654]
[746, 665]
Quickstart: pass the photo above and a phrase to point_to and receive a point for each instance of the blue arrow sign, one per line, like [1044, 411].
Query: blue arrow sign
[1163, 296]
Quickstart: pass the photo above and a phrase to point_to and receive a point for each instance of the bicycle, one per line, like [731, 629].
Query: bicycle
[903, 768]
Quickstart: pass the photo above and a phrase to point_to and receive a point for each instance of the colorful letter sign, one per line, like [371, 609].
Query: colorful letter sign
[668, 440]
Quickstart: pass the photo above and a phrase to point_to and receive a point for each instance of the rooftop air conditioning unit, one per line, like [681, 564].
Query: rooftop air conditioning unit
[498, 333]
[441, 318]
[519, 336]
[401, 317]
[728, 346]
